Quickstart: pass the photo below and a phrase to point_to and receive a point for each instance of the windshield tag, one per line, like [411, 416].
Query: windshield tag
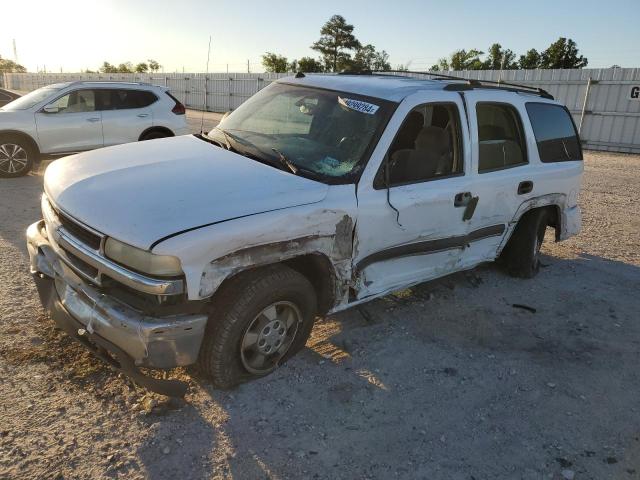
[358, 105]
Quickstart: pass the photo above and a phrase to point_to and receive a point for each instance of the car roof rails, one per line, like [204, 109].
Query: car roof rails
[470, 83]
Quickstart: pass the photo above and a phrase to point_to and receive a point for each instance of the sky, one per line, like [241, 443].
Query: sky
[74, 35]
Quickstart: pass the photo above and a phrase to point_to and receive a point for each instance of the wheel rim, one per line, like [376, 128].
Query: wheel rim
[269, 336]
[13, 158]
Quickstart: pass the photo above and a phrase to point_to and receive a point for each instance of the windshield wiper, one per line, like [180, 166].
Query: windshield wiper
[284, 161]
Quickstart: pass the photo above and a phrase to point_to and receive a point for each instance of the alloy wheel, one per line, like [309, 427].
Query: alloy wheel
[13, 158]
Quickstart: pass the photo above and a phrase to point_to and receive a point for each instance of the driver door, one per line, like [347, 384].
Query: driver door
[73, 126]
[414, 230]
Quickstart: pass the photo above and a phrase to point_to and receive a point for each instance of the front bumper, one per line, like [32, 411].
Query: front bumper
[97, 319]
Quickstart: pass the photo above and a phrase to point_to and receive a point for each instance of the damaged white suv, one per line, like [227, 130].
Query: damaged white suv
[319, 193]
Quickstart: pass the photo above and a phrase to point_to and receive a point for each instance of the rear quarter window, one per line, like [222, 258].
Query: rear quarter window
[555, 132]
[130, 99]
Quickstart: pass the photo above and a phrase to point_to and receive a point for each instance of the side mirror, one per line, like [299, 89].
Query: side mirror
[51, 109]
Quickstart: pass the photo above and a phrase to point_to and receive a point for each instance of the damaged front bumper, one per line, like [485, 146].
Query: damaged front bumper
[114, 331]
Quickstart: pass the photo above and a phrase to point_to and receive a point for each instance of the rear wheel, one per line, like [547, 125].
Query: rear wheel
[154, 134]
[521, 256]
[258, 320]
[16, 157]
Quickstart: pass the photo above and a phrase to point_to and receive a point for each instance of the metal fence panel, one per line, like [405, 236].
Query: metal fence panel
[609, 119]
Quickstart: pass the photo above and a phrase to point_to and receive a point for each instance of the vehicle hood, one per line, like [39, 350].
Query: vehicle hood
[142, 192]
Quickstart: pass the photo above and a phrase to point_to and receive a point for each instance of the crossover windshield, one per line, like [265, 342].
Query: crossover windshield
[321, 134]
[31, 99]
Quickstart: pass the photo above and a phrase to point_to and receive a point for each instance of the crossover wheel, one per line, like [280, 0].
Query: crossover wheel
[16, 157]
[521, 256]
[258, 320]
[154, 134]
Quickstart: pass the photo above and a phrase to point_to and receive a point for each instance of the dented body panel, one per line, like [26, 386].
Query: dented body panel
[324, 228]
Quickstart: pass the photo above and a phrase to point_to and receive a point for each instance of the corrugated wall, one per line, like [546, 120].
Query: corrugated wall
[611, 119]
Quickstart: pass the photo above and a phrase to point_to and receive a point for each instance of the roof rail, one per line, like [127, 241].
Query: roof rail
[75, 82]
[470, 83]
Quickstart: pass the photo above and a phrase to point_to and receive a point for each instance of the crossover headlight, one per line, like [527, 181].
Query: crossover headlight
[141, 260]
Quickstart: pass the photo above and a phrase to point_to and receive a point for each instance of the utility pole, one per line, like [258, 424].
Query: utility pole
[15, 51]
[248, 68]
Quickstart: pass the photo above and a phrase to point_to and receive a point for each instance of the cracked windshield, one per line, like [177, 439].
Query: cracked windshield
[323, 134]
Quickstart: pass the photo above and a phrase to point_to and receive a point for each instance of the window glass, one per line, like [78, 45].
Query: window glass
[324, 134]
[283, 114]
[30, 99]
[76, 102]
[555, 132]
[427, 146]
[127, 99]
[501, 140]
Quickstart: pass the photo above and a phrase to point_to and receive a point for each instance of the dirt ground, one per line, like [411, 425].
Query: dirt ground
[446, 381]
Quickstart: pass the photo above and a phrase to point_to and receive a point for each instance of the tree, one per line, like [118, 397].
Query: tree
[529, 60]
[368, 58]
[465, 60]
[142, 68]
[274, 63]
[499, 59]
[9, 66]
[108, 68]
[153, 65]
[293, 66]
[443, 64]
[309, 65]
[336, 40]
[126, 67]
[563, 53]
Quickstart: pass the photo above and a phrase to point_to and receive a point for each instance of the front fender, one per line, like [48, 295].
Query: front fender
[212, 254]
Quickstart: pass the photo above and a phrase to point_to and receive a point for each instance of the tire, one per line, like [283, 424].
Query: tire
[154, 134]
[242, 317]
[521, 256]
[17, 156]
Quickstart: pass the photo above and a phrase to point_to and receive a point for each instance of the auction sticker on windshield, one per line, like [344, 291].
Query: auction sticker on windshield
[358, 105]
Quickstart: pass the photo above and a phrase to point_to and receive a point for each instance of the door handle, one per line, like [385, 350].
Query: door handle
[93, 119]
[143, 115]
[525, 187]
[462, 199]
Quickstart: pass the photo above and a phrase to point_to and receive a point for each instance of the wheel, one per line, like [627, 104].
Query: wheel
[521, 256]
[258, 320]
[16, 157]
[154, 134]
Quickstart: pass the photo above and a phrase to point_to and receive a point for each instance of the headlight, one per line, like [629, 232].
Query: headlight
[141, 260]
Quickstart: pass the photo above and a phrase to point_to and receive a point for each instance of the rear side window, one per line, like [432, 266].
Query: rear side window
[555, 132]
[127, 99]
[500, 137]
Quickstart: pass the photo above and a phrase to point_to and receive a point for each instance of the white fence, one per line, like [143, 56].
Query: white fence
[601, 100]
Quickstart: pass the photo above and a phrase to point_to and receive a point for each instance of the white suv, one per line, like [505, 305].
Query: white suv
[66, 118]
[317, 194]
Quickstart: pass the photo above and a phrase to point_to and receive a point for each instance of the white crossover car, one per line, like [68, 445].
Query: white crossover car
[72, 117]
[317, 194]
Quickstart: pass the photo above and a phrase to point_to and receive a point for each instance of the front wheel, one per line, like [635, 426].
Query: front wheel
[259, 319]
[16, 157]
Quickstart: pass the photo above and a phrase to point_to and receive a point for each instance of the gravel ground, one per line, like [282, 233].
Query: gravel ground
[444, 381]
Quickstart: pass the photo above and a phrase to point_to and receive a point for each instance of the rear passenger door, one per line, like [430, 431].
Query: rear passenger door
[502, 177]
[126, 113]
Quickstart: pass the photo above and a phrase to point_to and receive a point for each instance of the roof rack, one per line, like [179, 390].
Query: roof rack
[469, 84]
[76, 82]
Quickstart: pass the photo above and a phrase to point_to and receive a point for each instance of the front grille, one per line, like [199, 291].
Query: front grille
[87, 237]
[81, 265]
